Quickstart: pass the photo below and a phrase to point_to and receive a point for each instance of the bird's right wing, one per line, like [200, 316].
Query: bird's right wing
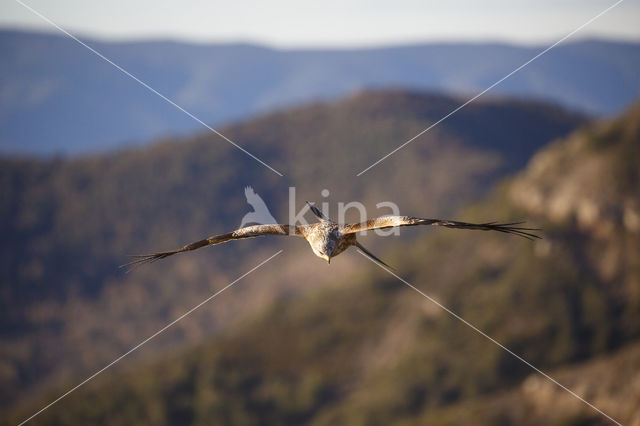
[385, 222]
[238, 234]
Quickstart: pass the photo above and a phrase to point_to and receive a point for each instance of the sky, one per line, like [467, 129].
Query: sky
[335, 24]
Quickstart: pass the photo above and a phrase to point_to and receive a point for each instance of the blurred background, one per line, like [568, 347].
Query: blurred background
[94, 166]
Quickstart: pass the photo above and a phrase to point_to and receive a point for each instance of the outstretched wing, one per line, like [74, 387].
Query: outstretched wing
[393, 221]
[246, 232]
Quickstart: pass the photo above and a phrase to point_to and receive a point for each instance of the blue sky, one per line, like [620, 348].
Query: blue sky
[355, 23]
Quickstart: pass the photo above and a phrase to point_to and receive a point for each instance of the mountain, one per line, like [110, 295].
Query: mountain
[371, 350]
[58, 97]
[66, 224]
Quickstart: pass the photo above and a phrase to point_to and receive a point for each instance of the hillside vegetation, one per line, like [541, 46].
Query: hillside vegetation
[370, 350]
[66, 225]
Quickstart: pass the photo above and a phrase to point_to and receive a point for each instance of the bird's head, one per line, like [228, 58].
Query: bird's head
[322, 254]
[323, 249]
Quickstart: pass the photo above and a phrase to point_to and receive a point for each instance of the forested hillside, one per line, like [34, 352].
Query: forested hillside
[66, 225]
[367, 349]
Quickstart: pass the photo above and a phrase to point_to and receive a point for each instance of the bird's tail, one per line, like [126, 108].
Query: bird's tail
[318, 213]
[371, 255]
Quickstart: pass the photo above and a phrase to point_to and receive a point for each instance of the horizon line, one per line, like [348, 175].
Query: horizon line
[199, 41]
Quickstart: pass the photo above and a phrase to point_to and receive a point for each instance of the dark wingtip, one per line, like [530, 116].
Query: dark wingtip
[512, 228]
[142, 259]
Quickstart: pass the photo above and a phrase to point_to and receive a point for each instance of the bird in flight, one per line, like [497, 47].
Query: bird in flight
[328, 238]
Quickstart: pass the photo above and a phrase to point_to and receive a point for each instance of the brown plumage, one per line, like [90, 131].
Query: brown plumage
[328, 239]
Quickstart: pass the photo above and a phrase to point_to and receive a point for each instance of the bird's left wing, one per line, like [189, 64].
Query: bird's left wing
[238, 234]
[393, 221]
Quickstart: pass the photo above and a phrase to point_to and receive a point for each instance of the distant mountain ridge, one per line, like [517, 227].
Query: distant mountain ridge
[57, 97]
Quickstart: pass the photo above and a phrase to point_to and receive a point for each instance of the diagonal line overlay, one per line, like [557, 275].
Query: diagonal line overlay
[488, 88]
[133, 349]
[145, 85]
[477, 330]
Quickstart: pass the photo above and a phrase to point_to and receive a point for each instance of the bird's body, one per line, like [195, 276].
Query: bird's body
[328, 238]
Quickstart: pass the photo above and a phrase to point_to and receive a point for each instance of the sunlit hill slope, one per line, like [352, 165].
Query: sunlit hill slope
[67, 310]
[371, 351]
